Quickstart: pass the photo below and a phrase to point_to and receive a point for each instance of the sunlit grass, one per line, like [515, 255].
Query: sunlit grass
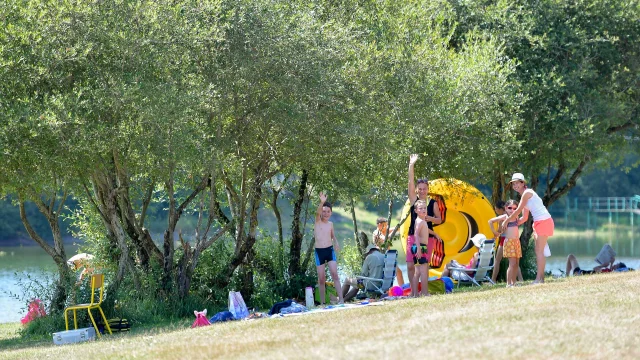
[575, 318]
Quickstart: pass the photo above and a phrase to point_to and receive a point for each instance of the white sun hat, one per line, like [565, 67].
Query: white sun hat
[78, 259]
[478, 239]
[517, 177]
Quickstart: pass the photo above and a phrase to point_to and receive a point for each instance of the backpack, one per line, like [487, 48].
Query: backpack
[115, 324]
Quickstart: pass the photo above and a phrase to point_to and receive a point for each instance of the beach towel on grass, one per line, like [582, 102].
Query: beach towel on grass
[221, 317]
[294, 308]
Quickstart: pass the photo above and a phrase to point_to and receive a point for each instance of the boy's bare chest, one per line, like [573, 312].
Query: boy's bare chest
[322, 228]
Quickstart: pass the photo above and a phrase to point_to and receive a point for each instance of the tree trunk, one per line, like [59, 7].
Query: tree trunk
[57, 252]
[527, 233]
[363, 242]
[499, 188]
[355, 229]
[190, 258]
[145, 247]
[175, 212]
[295, 247]
[183, 276]
[245, 242]
[247, 286]
[106, 202]
[276, 212]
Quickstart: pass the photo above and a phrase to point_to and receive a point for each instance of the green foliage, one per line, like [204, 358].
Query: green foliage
[148, 111]
[46, 325]
[350, 260]
[271, 282]
[528, 261]
[577, 70]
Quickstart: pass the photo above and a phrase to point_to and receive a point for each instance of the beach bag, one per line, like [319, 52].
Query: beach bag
[237, 306]
[115, 324]
[547, 250]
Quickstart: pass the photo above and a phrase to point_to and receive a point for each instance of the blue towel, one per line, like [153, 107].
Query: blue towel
[222, 316]
[294, 308]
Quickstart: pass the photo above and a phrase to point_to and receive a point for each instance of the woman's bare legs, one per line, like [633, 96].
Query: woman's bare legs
[541, 261]
[496, 264]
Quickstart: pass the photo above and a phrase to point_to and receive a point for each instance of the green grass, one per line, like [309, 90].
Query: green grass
[575, 318]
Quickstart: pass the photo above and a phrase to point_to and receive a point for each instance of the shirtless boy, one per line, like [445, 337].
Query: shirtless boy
[324, 252]
[420, 250]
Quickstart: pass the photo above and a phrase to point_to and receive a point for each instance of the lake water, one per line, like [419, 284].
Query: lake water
[19, 262]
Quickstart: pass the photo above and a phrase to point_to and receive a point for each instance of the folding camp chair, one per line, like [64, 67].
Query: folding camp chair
[381, 286]
[481, 272]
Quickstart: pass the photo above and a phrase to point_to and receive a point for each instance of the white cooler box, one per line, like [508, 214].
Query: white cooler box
[74, 336]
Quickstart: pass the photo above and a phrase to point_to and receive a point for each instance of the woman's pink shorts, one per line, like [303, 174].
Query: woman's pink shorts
[411, 239]
[544, 227]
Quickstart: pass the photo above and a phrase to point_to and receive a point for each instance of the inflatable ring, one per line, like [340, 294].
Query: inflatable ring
[468, 213]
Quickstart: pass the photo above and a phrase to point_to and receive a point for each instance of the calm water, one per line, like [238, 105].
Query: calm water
[18, 262]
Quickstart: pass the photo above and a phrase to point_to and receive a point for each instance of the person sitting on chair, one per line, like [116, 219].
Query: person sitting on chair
[372, 267]
[453, 264]
[573, 268]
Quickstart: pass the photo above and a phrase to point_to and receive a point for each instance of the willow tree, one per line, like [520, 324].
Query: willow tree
[578, 65]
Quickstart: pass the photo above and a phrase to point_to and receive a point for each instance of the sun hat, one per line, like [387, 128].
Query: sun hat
[478, 239]
[371, 247]
[517, 177]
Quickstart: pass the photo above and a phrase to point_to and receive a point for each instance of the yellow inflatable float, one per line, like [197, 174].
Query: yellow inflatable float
[467, 213]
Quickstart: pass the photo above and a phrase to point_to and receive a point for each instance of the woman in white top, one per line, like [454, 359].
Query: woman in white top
[543, 225]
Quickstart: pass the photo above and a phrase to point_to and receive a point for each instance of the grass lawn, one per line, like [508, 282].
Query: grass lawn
[577, 318]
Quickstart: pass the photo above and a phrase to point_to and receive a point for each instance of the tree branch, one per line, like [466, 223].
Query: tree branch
[32, 233]
[569, 185]
[627, 125]
[562, 168]
[145, 204]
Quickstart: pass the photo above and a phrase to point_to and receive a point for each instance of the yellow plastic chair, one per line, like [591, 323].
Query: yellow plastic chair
[97, 282]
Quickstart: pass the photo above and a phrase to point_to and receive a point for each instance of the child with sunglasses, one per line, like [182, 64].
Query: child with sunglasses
[499, 208]
[511, 247]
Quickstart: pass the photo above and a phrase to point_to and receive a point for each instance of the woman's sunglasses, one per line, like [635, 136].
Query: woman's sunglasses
[512, 207]
[423, 181]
